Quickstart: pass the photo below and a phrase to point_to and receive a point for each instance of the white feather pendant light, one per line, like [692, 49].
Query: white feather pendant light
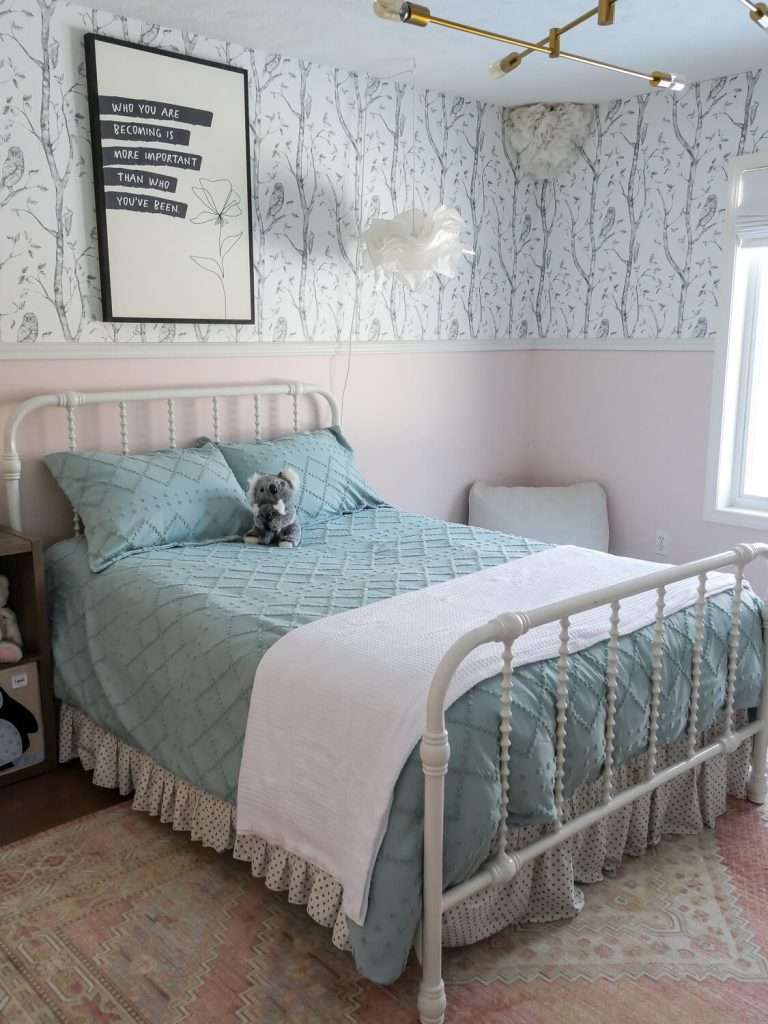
[412, 246]
[547, 137]
[415, 245]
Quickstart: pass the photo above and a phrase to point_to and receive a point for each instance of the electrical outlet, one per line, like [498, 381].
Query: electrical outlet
[662, 542]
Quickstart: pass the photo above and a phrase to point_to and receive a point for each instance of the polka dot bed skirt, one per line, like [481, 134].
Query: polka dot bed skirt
[545, 890]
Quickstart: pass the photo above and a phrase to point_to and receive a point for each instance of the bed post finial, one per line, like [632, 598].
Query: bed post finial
[435, 754]
[12, 478]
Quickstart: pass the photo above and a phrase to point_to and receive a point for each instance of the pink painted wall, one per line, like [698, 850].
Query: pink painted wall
[424, 426]
[638, 423]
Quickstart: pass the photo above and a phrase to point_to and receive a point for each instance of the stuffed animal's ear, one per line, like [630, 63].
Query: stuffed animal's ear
[250, 487]
[291, 476]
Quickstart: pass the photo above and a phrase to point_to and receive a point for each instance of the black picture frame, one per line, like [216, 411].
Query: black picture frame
[100, 188]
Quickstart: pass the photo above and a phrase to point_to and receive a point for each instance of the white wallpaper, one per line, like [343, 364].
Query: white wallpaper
[331, 149]
[626, 245]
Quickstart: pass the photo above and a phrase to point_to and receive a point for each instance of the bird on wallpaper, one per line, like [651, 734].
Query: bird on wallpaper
[603, 328]
[166, 334]
[374, 331]
[281, 329]
[607, 226]
[458, 106]
[28, 329]
[13, 167]
[526, 230]
[709, 211]
[701, 330]
[453, 330]
[276, 200]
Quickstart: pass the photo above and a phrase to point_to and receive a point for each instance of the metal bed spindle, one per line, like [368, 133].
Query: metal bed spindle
[505, 729]
[296, 393]
[733, 649]
[171, 423]
[612, 674]
[697, 659]
[257, 417]
[657, 675]
[72, 443]
[216, 419]
[562, 717]
[124, 428]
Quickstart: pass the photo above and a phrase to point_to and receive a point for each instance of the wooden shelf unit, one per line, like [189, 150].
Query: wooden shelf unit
[22, 561]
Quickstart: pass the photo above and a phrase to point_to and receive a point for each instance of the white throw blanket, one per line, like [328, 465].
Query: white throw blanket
[338, 705]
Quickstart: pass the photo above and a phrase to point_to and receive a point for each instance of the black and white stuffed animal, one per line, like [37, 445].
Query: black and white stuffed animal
[274, 499]
[16, 723]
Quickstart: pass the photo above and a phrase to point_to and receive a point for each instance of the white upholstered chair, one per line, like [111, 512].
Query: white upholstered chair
[577, 514]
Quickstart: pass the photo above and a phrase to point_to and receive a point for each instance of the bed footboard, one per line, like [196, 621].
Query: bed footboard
[506, 630]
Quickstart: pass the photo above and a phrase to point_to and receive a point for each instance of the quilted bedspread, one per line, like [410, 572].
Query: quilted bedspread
[162, 647]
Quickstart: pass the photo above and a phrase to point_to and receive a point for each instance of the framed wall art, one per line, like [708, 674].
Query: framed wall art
[172, 178]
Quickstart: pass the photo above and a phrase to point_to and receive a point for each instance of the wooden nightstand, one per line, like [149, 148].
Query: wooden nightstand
[27, 685]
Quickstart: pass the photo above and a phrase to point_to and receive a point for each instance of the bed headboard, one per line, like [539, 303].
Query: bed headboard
[122, 400]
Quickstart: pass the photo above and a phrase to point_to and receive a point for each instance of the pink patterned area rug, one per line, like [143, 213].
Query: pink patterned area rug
[114, 918]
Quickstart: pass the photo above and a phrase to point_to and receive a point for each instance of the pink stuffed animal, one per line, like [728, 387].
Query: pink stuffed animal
[10, 637]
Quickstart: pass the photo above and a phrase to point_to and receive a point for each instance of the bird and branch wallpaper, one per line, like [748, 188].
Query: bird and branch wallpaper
[624, 244]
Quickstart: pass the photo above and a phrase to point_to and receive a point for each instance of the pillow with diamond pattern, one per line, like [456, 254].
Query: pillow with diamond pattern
[331, 483]
[169, 498]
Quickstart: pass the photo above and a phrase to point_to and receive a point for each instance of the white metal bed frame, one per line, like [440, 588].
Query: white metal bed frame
[504, 630]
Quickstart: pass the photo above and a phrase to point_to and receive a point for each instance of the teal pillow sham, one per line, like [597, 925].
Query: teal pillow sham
[331, 483]
[168, 498]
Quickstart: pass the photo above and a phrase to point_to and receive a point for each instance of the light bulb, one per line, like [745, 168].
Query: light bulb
[502, 67]
[387, 9]
[663, 80]
[759, 14]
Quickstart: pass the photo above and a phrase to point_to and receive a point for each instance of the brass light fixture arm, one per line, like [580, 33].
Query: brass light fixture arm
[416, 14]
[515, 58]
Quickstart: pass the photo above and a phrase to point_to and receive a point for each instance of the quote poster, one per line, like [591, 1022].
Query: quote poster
[172, 179]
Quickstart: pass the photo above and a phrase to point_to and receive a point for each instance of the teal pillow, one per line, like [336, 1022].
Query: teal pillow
[331, 484]
[169, 498]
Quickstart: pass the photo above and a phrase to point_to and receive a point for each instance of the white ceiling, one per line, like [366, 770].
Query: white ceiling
[697, 38]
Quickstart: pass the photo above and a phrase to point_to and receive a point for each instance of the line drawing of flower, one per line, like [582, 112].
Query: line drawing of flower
[220, 205]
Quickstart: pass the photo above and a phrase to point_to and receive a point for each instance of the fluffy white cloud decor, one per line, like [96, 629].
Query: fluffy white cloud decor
[547, 137]
[415, 245]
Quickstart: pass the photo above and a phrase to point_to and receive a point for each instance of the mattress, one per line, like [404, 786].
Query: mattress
[161, 650]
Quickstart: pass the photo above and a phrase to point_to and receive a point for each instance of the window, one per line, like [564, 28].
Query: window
[738, 477]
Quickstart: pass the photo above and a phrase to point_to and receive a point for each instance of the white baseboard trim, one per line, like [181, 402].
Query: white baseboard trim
[155, 350]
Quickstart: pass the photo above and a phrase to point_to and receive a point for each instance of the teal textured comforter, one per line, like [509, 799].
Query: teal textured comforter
[161, 649]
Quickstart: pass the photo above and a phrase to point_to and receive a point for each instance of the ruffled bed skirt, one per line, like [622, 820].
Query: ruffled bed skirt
[546, 890]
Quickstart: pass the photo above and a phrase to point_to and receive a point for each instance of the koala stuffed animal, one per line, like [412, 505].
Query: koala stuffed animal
[273, 499]
[10, 636]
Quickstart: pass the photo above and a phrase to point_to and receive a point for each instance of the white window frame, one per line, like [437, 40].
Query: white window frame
[725, 499]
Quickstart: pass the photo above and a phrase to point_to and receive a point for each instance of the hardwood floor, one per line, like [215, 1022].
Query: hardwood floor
[54, 798]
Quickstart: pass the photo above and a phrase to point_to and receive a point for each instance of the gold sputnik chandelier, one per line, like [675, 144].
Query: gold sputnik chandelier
[421, 17]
